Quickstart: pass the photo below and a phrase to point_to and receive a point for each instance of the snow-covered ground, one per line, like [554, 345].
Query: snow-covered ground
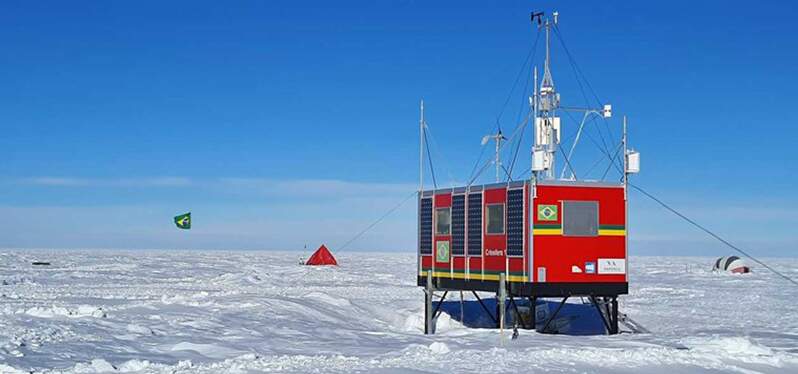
[212, 312]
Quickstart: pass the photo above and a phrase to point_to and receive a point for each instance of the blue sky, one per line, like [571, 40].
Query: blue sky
[284, 123]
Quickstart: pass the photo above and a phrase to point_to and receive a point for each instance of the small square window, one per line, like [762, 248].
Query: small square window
[495, 219]
[443, 221]
[580, 218]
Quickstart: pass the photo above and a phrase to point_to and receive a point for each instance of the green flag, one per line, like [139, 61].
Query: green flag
[183, 221]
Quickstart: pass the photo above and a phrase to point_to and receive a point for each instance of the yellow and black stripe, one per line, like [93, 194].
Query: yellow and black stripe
[490, 275]
[556, 229]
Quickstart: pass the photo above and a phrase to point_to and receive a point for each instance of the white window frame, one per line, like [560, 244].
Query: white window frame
[450, 221]
[487, 219]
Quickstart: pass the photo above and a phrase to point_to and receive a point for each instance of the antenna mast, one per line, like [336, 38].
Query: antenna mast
[421, 150]
[545, 103]
[498, 137]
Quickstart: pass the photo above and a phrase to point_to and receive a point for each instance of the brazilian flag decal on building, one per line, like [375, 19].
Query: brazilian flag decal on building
[183, 221]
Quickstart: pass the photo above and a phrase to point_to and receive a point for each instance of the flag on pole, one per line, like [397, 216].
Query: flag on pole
[183, 221]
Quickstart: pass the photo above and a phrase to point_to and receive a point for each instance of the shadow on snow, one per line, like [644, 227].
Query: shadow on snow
[573, 319]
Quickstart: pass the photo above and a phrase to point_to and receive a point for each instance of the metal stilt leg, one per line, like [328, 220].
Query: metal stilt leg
[428, 328]
[614, 317]
[554, 315]
[502, 300]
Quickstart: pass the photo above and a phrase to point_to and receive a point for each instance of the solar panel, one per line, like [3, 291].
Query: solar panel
[425, 227]
[515, 222]
[458, 225]
[475, 224]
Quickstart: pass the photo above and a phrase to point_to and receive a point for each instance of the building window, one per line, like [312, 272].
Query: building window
[495, 219]
[580, 218]
[443, 221]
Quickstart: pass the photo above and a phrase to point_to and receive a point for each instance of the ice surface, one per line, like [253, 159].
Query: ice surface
[245, 312]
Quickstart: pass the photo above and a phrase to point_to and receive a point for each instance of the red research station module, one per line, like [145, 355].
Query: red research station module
[552, 238]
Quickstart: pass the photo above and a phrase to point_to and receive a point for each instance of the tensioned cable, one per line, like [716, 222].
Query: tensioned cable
[529, 58]
[521, 138]
[603, 149]
[567, 162]
[587, 82]
[515, 155]
[576, 74]
[512, 136]
[434, 182]
[507, 172]
[377, 221]
[660, 202]
[570, 56]
[524, 97]
[439, 151]
[612, 162]
[575, 67]
[521, 109]
[431, 168]
[481, 153]
[704, 229]
[596, 163]
[527, 170]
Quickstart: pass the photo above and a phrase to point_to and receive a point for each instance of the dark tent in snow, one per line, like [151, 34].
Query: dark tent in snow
[322, 256]
[732, 264]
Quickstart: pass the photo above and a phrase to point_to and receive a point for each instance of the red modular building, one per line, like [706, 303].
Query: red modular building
[553, 238]
[548, 239]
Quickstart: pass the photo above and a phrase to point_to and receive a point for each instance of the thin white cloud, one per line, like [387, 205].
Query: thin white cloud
[315, 187]
[260, 186]
[106, 182]
[55, 181]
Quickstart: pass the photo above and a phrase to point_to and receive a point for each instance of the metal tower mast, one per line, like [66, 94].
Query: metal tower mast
[545, 102]
[421, 125]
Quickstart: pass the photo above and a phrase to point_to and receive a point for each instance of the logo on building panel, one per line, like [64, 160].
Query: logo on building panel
[442, 252]
[590, 267]
[611, 266]
[547, 212]
[494, 252]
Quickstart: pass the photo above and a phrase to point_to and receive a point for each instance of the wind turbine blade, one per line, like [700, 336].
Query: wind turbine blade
[485, 139]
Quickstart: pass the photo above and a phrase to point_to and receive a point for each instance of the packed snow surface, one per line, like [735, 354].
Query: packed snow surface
[244, 312]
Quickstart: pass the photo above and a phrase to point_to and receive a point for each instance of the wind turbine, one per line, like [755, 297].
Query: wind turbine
[498, 137]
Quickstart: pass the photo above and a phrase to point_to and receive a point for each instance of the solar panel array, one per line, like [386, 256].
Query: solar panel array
[458, 225]
[425, 227]
[515, 222]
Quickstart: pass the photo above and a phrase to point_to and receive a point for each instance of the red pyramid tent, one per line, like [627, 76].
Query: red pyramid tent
[322, 256]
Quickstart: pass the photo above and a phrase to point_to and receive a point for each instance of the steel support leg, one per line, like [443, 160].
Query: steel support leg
[436, 312]
[428, 328]
[485, 308]
[554, 315]
[608, 309]
[614, 318]
[519, 320]
[502, 299]
[607, 321]
[462, 309]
